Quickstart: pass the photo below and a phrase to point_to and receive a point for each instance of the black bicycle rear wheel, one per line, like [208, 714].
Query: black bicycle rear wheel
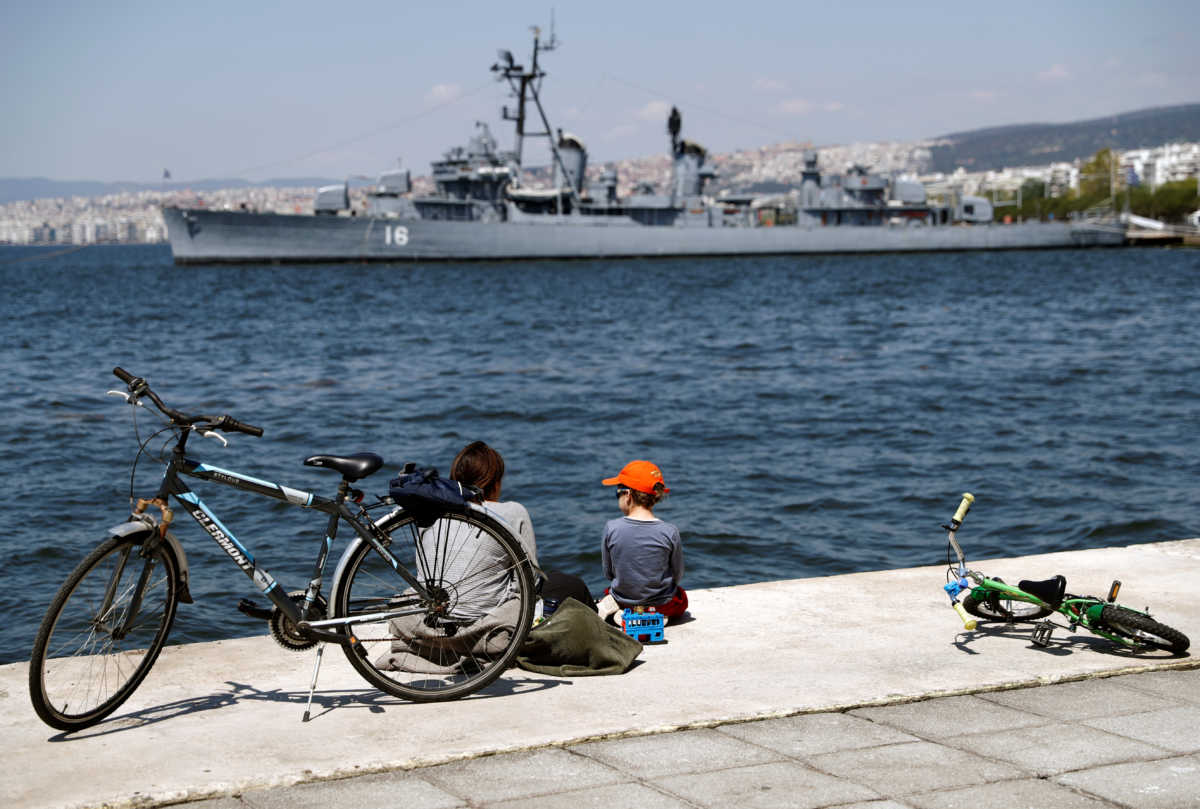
[1142, 629]
[460, 638]
[102, 633]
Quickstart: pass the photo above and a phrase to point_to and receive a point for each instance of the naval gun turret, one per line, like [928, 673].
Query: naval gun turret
[331, 199]
[390, 196]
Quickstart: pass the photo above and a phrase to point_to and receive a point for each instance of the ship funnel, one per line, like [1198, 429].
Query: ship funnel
[573, 154]
[689, 174]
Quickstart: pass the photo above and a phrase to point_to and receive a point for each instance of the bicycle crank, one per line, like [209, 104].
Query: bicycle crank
[286, 633]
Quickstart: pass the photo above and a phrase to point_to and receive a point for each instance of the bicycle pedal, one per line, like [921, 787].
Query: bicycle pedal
[251, 608]
[1042, 633]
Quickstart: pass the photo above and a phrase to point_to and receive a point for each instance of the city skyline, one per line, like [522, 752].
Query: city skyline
[122, 93]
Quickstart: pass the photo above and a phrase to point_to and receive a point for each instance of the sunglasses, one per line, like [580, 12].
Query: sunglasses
[621, 493]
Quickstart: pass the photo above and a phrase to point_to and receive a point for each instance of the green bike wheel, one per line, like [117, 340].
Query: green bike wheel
[1142, 629]
[991, 606]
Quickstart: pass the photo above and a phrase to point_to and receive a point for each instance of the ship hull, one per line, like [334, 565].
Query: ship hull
[201, 236]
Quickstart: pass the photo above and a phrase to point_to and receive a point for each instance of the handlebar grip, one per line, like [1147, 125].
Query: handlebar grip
[230, 423]
[968, 622]
[123, 375]
[963, 508]
[250, 429]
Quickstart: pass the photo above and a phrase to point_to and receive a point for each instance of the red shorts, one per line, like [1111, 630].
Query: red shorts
[676, 606]
[672, 609]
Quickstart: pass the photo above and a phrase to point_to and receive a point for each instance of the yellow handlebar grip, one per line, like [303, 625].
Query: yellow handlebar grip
[968, 621]
[963, 507]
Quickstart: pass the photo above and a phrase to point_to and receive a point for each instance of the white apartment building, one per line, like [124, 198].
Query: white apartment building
[1169, 163]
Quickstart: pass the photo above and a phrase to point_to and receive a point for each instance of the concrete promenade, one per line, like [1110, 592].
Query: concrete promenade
[861, 689]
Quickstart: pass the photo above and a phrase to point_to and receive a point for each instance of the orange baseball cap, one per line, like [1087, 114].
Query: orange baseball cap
[639, 475]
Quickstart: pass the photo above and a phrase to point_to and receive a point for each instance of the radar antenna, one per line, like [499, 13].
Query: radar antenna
[551, 43]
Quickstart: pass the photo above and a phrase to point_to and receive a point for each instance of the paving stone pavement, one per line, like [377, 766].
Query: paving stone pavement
[1130, 741]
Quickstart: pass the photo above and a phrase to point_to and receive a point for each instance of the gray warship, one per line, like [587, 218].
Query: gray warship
[482, 210]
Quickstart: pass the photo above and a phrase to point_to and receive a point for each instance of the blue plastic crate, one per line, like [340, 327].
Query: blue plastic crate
[644, 627]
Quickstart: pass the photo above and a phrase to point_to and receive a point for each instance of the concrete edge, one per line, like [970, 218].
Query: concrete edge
[236, 789]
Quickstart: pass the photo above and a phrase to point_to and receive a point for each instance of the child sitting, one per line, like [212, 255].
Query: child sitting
[642, 555]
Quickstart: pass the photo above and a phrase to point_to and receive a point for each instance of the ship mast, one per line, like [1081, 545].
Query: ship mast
[525, 84]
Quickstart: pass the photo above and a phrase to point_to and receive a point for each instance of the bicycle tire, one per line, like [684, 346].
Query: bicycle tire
[1142, 629]
[80, 670]
[484, 582]
[994, 608]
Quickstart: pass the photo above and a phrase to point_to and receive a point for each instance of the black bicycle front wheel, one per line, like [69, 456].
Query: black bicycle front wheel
[102, 633]
[992, 606]
[467, 627]
[1142, 629]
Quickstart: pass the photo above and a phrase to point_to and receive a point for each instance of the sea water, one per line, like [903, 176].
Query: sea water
[811, 415]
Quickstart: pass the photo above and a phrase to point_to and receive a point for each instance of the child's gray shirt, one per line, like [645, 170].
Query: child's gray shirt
[643, 560]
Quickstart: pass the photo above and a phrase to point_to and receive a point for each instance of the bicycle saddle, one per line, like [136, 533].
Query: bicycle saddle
[1051, 590]
[352, 467]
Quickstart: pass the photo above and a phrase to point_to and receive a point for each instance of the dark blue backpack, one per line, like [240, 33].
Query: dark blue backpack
[426, 496]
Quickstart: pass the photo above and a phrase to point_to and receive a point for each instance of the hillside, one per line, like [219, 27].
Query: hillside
[14, 189]
[976, 150]
[1038, 144]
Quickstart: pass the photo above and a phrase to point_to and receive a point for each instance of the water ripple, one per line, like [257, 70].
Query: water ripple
[813, 416]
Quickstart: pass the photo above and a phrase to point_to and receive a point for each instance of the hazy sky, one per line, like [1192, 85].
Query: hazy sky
[122, 90]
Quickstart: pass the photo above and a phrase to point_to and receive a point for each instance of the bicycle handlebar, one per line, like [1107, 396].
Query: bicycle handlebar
[138, 387]
[963, 508]
[960, 584]
[969, 623]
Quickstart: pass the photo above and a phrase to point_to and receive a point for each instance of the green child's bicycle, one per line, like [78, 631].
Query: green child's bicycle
[1034, 601]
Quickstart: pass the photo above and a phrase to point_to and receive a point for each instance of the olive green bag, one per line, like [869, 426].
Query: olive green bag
[575, 642]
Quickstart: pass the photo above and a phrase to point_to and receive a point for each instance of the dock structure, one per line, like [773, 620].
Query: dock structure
[1139, 237]
[843, 690]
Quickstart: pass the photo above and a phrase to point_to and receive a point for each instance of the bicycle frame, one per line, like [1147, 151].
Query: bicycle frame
[1078, 610]
[325, 629]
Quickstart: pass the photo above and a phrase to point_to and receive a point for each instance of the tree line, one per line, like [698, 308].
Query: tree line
[1101, 184]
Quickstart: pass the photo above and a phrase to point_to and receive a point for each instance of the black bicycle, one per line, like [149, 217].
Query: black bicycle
[426, 605]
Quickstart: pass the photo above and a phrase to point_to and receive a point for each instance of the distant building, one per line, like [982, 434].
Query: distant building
[1169, 163]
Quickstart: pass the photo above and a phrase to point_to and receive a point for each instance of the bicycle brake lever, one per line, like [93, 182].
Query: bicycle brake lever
[212, 434]
[128, 399]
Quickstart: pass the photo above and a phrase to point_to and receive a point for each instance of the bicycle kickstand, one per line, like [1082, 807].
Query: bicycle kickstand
[313, 687]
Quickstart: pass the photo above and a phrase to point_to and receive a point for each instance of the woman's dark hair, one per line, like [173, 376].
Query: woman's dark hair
[646, 500]
[480, 466]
